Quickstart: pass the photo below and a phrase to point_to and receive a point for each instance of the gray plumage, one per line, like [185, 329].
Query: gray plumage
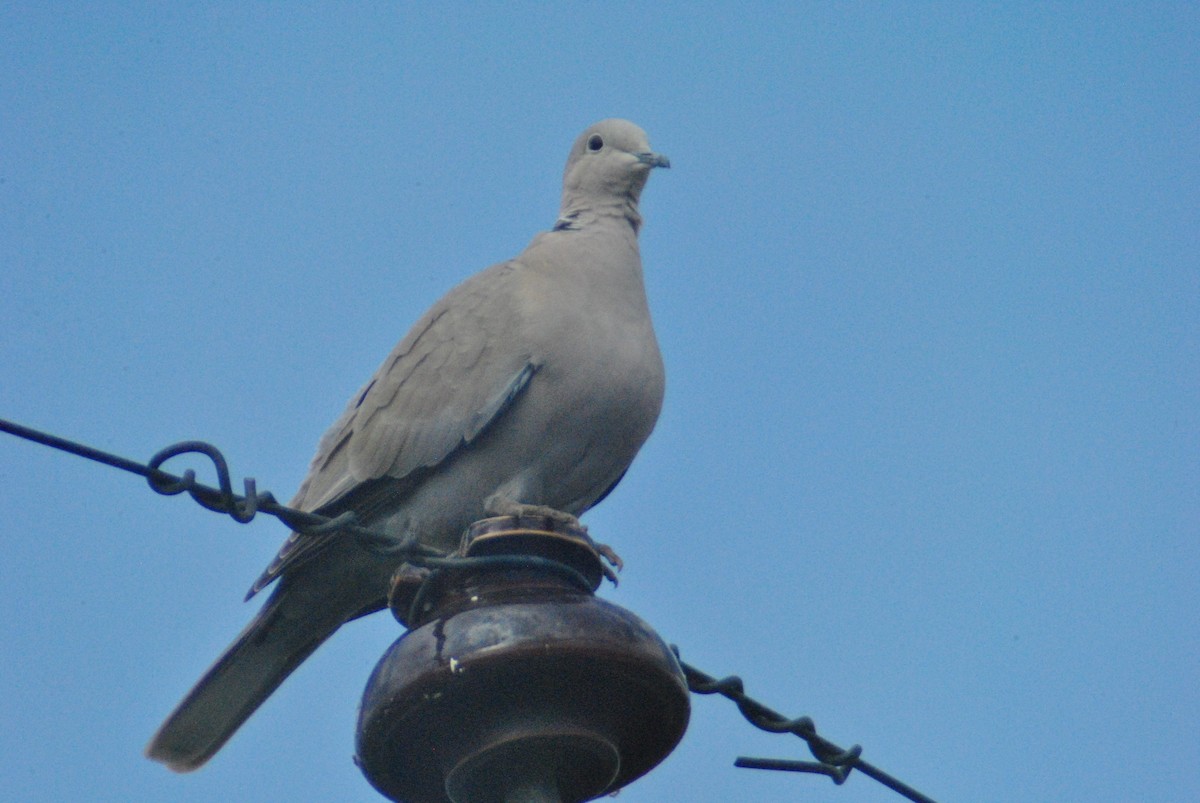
[534, 382]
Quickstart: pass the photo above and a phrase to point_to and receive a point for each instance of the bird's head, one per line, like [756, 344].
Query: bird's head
[610, 161]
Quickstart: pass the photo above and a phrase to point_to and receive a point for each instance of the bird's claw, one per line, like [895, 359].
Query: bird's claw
[501, 505]
[612, 562]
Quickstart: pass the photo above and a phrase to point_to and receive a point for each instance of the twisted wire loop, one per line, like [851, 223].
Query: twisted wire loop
[241, 510]
[832, 760]
[222, 499]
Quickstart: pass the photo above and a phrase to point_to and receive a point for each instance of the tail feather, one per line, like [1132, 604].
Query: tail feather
[252, 667]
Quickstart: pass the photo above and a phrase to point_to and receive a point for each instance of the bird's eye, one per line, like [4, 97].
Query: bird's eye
[595, 142]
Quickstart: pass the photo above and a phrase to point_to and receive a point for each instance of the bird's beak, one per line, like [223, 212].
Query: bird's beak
[653, 159]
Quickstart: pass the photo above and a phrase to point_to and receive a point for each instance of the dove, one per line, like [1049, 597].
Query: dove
[528, 388]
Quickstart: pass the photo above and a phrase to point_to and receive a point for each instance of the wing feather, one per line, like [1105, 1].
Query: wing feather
[455, 373]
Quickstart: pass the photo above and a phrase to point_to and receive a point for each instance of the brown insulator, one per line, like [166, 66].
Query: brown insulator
[516, 682]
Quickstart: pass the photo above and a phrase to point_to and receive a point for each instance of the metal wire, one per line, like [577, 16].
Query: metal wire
[832, 760]
[241, 508]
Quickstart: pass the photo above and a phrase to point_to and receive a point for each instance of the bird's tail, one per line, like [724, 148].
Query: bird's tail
[266, 652]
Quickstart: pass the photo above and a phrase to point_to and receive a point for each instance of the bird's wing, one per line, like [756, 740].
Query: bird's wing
[444, 384]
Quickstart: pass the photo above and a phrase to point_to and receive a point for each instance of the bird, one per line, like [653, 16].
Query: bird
[527, 388]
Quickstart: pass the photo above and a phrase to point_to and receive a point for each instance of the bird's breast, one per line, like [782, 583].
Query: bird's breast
[599, 384]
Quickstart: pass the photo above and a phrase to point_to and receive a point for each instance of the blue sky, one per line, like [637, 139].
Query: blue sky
[926, 282]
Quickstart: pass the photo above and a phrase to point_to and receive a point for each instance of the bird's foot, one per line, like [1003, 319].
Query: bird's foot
[610, 555]
[611, 563]
[501, 505]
